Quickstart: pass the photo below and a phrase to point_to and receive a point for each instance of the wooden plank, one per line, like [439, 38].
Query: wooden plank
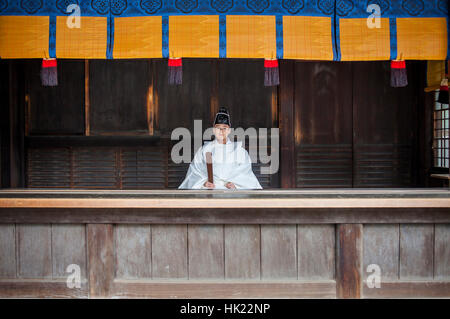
[388, 119]
[150, 101]
[249, 88]
[416, 251]
[126, 112]
[68, 247]
[7, 92]
[274, 106]
[41, 289]
[155, 96]
[214, 99]
[323, 113]
[348, 260]
[325, 193]
[87, 100]
[27, 114]
[133, 251]
[442, 252]
[34, 244]
[381, 247]
[225, 289]
[169, 247]
[8, 251]
[242, 251]
[278, 251]
[17, 81]
[100, 243]
[179, 105]
[409, 289]
[324, 165]
[205, 251]
[225, 215]
[286, 124]
[323, 117]
[46, 115]
[221, 202]
[316, 252]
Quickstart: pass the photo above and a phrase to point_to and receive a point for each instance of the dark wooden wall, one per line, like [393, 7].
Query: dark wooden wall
[108, 123]
[352, 129]
[323, 124]
[4, 123]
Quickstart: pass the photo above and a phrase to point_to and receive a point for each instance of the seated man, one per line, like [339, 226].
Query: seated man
[232, 166]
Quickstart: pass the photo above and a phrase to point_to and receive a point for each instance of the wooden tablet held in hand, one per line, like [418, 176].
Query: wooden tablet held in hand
[209, 166]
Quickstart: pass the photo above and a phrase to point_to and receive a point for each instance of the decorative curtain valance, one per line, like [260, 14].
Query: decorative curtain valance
[291, 29]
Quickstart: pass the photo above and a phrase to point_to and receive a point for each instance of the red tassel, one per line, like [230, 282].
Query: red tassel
[49, 72]
[443, 91]
[175, 71]
[271, 72]
[399, 76]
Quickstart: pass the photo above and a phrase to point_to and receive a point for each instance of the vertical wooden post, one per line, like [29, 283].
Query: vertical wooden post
[155, 106]
[214, 105]
[274, 178]
[100, 242]
[86, 98]
[349, 260]
[286, 124]
[6, 86]
[150, 101]
[274, 107]
[27, 114]
[17, 81]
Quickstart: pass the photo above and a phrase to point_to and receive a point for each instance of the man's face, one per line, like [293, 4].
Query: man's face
[221, 131]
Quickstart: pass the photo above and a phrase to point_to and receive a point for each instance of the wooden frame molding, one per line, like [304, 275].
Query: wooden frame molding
[32, 288]
[409, 289]
[286, 124]
[349, 260]
[168, 203]
[224, 215]
[100, 241]
[223, 289]
[87, 100]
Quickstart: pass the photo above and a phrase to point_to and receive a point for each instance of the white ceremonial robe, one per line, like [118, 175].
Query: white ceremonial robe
[231, 163]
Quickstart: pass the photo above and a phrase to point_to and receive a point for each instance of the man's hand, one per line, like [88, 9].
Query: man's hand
[230, 185]
[209, 185]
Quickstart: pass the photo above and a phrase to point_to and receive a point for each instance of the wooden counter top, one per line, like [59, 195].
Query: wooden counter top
[340, 198]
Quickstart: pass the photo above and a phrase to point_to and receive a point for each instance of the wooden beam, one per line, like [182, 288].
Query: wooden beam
[410, 289]
[286, 124]
[262, 203]
[224, 289]
[349, 256]
[34, 288]
[224, 215]
[100, 242]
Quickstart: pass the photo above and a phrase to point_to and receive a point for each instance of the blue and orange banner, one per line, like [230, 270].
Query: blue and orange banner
[292, 29]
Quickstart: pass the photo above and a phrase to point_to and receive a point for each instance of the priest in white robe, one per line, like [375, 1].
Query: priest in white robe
[232, 166]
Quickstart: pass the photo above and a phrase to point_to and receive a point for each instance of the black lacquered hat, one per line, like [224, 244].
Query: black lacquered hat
[222, 117]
